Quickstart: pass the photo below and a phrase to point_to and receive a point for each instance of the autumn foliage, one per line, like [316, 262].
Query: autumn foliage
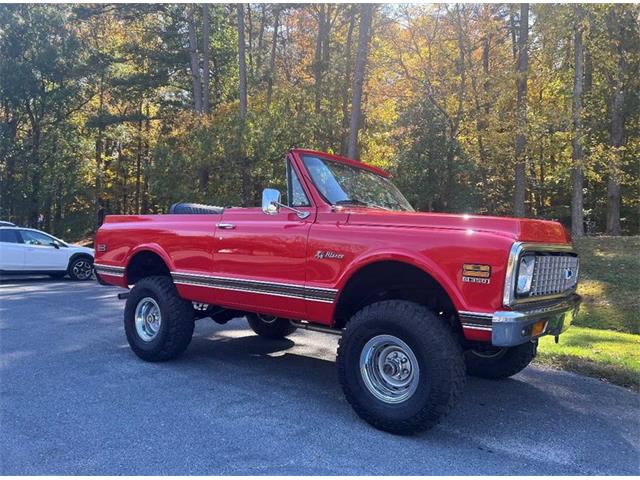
[128, 108]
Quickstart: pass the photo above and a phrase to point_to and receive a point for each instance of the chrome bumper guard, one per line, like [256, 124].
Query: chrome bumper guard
[514, 327]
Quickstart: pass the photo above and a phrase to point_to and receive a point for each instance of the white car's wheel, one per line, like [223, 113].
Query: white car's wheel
[81, 268]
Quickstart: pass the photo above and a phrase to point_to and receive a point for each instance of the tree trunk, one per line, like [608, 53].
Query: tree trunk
[243, 103]
[447, 185]
[358, 80]
[480, 120]
[617, 140]
[7, 199]
[250, 49]
[617, 126]
[196, 81]
[138, 163]
[99, 204]
[326, 36]
[122, 171]
[577, 171]
[47, 212]
[34, 200]
[521, 112]
[241, 62]
[206, 34]
[541, 181]
[272, 57]
[318, 66]
[263, 17]
[147, 161]
[513, 30]
[486, 50]
[588, 70]
[57, 214]
[98, 181]
[347, 81]
[203, 179]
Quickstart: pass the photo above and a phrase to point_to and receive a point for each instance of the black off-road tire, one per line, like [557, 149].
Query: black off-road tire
[436, 349]
[270, 327]
[177, 320]
[80, 275]
[499, 363]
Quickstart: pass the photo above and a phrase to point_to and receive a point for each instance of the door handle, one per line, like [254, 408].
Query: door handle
[226, 226]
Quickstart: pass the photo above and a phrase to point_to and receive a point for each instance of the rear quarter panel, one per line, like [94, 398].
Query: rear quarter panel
[184, 242]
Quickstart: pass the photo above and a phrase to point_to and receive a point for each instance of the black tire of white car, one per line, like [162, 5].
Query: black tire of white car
[156, 298]
[80, 268]
[403, 339]
[270, 327]
[496, 364]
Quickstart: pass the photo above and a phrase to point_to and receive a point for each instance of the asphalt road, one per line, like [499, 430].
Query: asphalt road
[74, 400]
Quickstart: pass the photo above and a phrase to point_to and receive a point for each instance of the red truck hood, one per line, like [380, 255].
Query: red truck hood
[520, 229]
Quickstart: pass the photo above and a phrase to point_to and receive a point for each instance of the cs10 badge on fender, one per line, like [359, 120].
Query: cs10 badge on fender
[473, 273]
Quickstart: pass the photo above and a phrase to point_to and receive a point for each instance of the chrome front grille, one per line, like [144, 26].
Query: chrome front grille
[554, 274]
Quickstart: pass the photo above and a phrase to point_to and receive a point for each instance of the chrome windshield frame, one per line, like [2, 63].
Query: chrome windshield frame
[394, 189]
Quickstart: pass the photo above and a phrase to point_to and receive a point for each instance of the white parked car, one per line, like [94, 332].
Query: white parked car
[28, 251]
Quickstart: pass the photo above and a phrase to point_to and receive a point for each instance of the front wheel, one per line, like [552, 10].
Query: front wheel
[497, 363]
[400, 366]
[269, 326]
[158, 323]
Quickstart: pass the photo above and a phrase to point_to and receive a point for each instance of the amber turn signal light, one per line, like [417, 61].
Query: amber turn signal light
[538, 328]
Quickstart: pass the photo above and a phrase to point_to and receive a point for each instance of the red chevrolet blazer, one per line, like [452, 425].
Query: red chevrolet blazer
[417, 299]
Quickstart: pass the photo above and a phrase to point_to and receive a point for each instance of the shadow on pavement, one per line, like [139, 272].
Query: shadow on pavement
[34, 279]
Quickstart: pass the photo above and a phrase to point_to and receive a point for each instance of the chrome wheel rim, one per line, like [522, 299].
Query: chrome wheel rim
[389, 369]
[148, 319]
[82, 269]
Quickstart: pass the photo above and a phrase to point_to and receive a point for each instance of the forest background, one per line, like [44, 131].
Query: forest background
[503, 109]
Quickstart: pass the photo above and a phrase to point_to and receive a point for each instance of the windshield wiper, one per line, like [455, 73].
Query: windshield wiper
[351, 201]
[354, 201]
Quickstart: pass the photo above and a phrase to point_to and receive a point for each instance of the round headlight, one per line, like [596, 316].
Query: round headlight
[525, 274]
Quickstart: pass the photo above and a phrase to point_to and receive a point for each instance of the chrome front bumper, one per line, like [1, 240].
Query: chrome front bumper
[522, 324]
[514, 327]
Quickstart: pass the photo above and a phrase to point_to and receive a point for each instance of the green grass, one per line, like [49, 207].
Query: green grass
[610, 283]
[604, 354]
[603, 341]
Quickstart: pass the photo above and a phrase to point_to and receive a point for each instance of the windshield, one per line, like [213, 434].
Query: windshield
[342, 184]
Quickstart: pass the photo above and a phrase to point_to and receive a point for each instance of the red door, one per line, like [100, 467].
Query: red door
[260, 260]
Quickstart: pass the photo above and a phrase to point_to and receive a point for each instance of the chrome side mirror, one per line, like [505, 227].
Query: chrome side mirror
[270, 201]
[271, 204]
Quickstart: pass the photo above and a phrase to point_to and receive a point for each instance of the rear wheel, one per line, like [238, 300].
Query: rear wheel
[497, 363]
[400, 366]
[269, 326]
[158, 323]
